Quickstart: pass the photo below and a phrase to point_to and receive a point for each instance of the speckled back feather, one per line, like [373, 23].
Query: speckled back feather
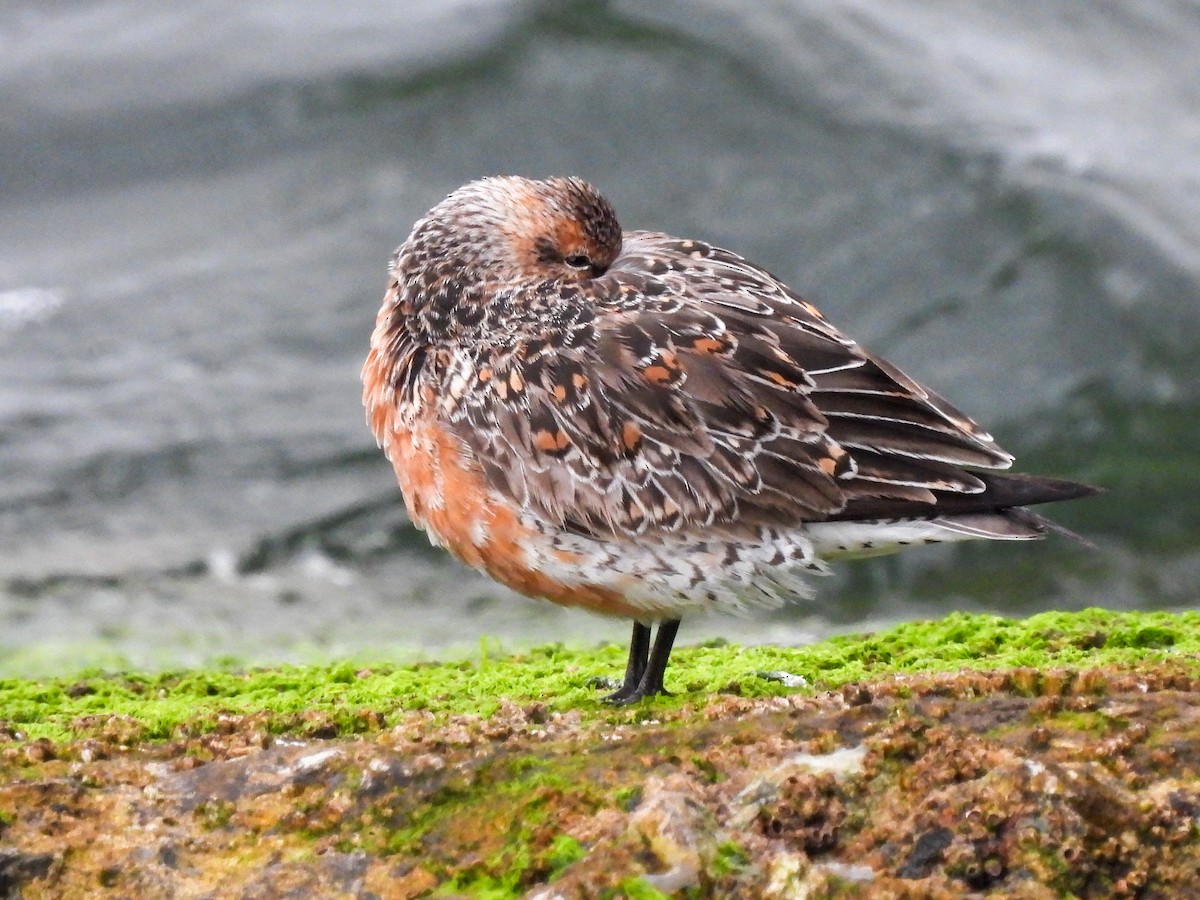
[677, 387]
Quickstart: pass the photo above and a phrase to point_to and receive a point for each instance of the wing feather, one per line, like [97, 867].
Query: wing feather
[704, 392]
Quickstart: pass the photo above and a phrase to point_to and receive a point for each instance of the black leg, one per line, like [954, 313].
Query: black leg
[656, 668]
[639, 650]
[646, 678]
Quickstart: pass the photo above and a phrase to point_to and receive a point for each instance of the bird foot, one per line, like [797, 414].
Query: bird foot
[628, 694]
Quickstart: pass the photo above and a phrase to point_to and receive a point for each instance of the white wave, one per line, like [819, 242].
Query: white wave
[20, 307]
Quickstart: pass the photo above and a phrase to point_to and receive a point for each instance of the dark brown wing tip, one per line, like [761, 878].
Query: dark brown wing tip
[1041, 523]
[1052, 490]
[1015, 489]
[1001, 492]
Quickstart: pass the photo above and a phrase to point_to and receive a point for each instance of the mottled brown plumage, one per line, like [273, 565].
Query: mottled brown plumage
[644, 425]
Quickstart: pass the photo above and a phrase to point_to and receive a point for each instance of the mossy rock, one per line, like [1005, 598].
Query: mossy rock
[1050, 756]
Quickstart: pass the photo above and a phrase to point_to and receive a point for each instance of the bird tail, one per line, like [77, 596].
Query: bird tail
[997, 512]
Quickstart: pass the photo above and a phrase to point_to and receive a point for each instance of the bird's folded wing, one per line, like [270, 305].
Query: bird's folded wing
[704, 392]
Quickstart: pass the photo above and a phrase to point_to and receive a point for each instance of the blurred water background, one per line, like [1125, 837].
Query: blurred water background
[197, 203]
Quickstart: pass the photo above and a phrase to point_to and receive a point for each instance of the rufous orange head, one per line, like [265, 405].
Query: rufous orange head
[509, 229]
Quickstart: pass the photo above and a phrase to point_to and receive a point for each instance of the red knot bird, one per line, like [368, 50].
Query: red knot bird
[645, 426]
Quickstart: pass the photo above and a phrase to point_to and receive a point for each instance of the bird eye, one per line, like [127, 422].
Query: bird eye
[578, 261]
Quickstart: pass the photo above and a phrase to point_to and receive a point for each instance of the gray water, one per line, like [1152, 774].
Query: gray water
[197, 203]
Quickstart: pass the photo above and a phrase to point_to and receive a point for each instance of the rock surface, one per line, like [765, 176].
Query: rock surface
[1018, 783]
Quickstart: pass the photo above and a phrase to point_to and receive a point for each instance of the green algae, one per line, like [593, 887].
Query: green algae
[638, 888]
[730, 857]
[564, 851]
[348, 698]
